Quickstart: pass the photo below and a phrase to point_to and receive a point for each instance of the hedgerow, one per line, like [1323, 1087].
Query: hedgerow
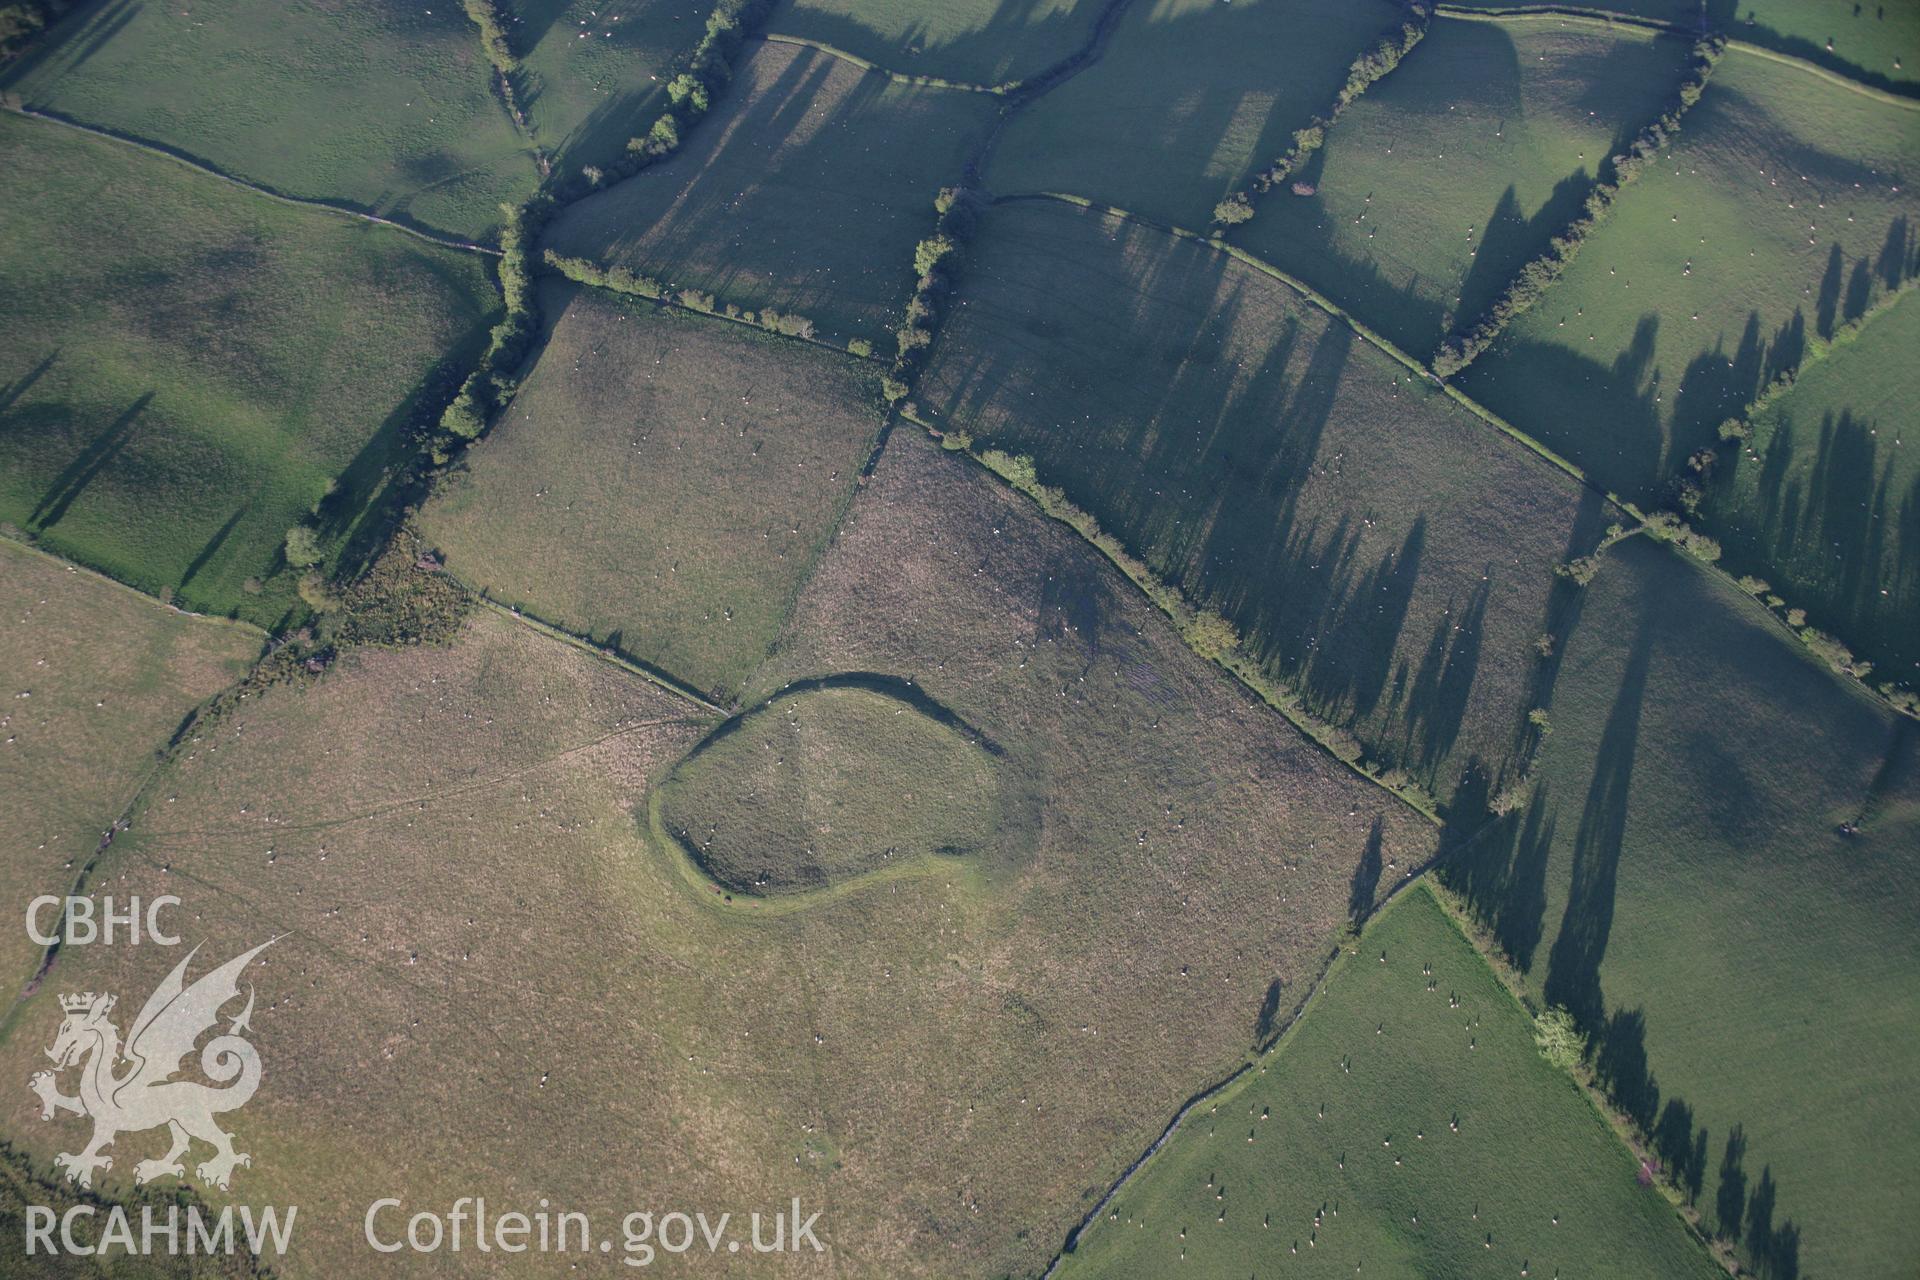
[493, 34]
[1384, 55]
[490, 385]
[934, 261]
[1461, 347]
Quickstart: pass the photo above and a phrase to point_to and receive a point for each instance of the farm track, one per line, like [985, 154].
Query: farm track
[299, 202]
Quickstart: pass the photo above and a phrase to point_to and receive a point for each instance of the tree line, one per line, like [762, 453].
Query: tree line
[1467, 341]
[1377, 61]
[935, 260]
[705, 71]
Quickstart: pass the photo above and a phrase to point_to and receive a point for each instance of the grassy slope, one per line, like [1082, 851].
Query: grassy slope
[1773, 217]
[1187, 99]
[185, 366]
[1319, 1192]
[1682, 876]
[1450, 173]
[378, 104]
[591, 71]
[806, 192]
[662, 483]
[1385, 551]
[896, 1054]
[110, 676]
[1827, 505]
[813, 788]
[972, 41]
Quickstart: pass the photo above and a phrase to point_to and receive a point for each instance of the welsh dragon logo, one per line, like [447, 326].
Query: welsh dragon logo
[143, 1094]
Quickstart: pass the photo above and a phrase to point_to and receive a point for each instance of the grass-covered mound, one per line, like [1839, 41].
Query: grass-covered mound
[1187, 100]
[373, 103]
[1824, 500]
[187, 370]
[1379, 549]
[1783, 210]
[1447, 175]
[1718, 877]
[448, 838]
[971, 41]
[1407, 1125]
[662, 483]
[805, 192]
[96, 680]
[830, 782]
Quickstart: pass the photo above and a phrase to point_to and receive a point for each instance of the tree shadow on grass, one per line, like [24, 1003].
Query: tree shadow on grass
[86, 468]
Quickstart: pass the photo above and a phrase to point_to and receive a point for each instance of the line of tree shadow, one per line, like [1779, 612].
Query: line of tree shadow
[93, 459]
[1606, 415]
[77, 38]
[1502, 870]
[793, 199]
[1198, 450]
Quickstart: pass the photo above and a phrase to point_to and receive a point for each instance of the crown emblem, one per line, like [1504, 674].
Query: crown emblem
[83, 1002]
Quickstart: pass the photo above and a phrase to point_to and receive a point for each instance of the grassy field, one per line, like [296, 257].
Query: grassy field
[1447, 175]
[1385, 552]
[817, 786]
[97, 680]
[372, 103]
[1188, 98]
[591, 72]
[1683, 881]
[1780, 213]
[488, 972]
[1826, 506]
[1408, 1124]
[806, 192]
[187, 369]
[662, 483]
[973, 41]
[1878, 42]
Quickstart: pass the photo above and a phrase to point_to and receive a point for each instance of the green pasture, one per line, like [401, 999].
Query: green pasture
[188, 369]
[1717, 874]
[1187, 100]
[1459, 166]
[1407, 1124]
[989, 42]
[805, 192]
[593, 73]
[661, 484]
[1782, 211]
[1384, 552]
[371, 103]
[1824, 500]
[1878, 43]
[818, 786]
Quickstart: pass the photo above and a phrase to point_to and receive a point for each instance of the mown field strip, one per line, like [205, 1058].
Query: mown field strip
[202, 167]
